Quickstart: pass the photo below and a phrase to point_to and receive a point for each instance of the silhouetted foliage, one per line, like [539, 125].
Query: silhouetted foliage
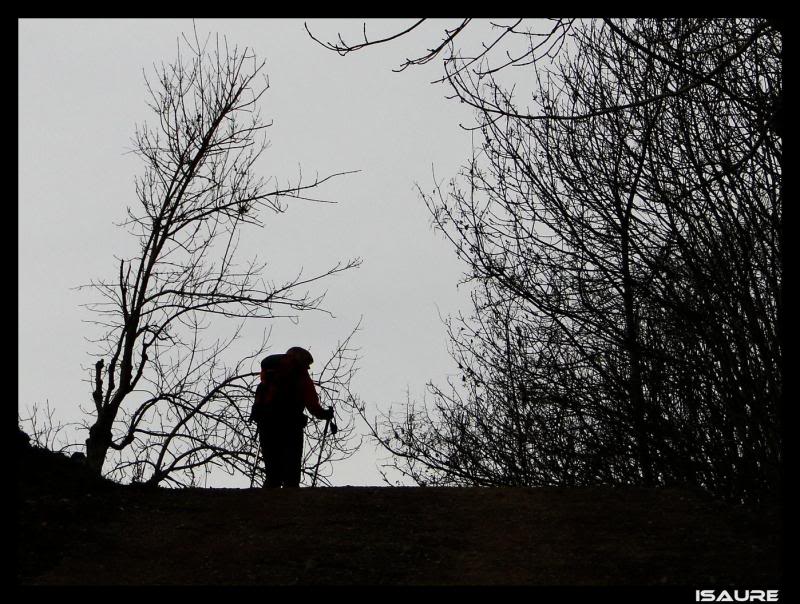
[166, 402]
[621, 218]
[46, 431]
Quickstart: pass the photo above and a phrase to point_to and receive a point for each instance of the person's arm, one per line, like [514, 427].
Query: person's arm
[311, 398]
[258, 402]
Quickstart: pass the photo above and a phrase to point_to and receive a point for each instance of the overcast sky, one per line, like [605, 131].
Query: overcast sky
[81, 91]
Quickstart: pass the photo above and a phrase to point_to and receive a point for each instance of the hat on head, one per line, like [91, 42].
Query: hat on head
[301, 354]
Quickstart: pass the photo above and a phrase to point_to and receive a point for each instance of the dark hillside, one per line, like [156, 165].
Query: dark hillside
[73, 529]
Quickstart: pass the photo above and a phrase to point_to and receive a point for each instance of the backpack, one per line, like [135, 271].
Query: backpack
[276, 398]
[269, 366]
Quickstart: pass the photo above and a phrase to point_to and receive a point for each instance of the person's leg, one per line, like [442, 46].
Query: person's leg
[294, 456]
[270, 451]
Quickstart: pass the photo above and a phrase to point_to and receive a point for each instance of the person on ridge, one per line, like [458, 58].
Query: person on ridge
[286, 389]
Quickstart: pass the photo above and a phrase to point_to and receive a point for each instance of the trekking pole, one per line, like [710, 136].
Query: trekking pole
[324, 434]
[319, 457]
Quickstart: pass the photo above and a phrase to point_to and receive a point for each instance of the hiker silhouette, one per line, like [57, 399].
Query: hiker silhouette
[284, 392]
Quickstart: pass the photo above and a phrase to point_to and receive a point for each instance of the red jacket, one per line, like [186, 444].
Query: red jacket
[309, 395]
[300, 388]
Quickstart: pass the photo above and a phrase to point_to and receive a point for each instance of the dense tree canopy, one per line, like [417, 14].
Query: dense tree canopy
[621, 220]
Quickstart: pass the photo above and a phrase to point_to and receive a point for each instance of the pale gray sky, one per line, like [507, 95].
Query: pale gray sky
[81, 90]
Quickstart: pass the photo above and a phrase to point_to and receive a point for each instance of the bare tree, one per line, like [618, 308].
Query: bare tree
[162, 394]
[623, 223]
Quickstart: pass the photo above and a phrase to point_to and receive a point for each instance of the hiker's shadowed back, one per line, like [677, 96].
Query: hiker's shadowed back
[285, 391]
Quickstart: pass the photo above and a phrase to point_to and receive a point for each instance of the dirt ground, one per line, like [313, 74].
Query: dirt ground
[75, 530]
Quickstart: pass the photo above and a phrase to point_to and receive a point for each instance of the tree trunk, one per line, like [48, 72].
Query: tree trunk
[631, 345]
[99, 441]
